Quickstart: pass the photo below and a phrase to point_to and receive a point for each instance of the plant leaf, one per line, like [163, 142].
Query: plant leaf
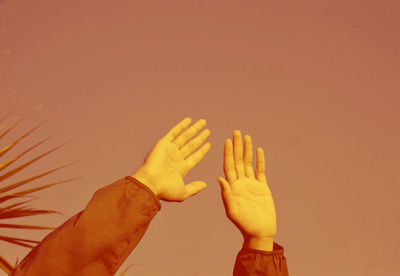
[7, 148]
[20, 226]
[18, 241]
[5, 266]
[20, 120]
[14, 171]
[2, 209]
[25, 181]
[24, 192]
[7, 114]
[8, 197]
[23, 212]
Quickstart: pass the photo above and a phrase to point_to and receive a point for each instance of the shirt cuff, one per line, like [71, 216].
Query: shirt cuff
[140, 184]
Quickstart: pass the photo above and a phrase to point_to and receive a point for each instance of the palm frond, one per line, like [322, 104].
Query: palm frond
[4, 265]
[20, 226]
[20, 120]
[18, 241]
[9, 192]
[7, 148]
[25, 181]
[3, 209]
[7, 114]
[23, 166]
[12, 160]
[32, 190]
[23, 212]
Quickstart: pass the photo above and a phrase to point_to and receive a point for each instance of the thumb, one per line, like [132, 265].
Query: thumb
[227, 197]
[194, 187]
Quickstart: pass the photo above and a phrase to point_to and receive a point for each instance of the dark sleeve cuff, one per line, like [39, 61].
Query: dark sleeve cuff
[251, 262]
[140, 184]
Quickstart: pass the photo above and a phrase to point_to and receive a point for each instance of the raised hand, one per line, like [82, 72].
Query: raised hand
[172, 158]
[247, 199]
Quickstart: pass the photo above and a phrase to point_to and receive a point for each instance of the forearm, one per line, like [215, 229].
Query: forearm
[264, 244]
[97, 240]
[147, 180]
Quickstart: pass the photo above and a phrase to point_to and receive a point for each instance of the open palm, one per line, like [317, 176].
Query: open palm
[172, 158]
[247, 199]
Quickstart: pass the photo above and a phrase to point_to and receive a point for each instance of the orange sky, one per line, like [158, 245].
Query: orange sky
[315, 83]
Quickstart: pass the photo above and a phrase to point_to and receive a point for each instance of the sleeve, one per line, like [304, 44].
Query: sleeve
[254, 262]
[97, 240]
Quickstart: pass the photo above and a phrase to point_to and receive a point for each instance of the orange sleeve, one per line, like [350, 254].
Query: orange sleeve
[97, 240]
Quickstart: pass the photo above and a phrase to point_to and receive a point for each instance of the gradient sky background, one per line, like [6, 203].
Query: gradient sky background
[315, 83]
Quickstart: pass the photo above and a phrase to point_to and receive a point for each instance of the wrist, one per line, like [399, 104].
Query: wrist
[260, 243]
[147, 180]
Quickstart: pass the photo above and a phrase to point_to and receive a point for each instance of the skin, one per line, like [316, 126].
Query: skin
[247, 199]
[172, 158]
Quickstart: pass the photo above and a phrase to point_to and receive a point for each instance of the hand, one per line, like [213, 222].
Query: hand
[247, 199]
[172, 158]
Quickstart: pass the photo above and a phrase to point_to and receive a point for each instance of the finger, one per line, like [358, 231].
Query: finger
[185, 136]
[196, 157]
[173, 132]
[238, 153]
[229, 163]
[260, 167]
[227, 197]
[190, 147]
[194, 188]
[248, 156]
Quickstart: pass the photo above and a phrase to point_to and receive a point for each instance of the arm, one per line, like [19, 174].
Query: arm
[249, 205]
[97, 240]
